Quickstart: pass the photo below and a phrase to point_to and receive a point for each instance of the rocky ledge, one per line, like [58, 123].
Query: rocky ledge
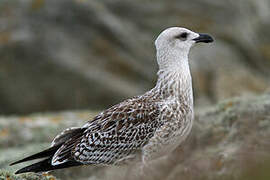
[228, 141]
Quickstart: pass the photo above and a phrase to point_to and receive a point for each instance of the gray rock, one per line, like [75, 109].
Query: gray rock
[5, 175]
[229, 141]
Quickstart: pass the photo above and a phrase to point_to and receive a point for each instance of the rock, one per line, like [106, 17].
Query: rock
[4, 175]
[229, 141]
[60, 55]
[39, 127]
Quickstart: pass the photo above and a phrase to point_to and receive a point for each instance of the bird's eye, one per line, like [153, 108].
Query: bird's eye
[183, 36]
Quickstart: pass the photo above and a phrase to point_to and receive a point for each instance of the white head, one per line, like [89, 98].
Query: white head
[174, 43]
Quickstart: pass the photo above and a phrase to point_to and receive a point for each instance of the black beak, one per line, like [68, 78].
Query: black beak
[204, 38]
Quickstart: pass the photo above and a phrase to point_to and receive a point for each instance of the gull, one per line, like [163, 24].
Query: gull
[144, 127]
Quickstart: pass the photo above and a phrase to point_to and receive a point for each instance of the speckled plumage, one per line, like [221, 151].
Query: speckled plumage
[144, 127]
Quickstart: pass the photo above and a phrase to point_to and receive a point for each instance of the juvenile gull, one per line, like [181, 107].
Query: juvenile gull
[144, 127]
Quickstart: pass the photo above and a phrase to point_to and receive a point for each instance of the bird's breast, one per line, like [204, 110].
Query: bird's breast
[177, 121]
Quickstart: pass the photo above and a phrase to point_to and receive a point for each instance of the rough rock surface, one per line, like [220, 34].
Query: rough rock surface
[4, 175]
[229, 141]
[71, 54]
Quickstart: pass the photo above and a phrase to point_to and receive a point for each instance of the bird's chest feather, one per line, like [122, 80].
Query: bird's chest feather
[177, 120]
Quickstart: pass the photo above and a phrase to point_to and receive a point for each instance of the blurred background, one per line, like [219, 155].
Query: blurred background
[87, 55]
[79, 54]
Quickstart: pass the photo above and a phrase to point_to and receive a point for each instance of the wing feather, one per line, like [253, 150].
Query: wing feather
[122, 131]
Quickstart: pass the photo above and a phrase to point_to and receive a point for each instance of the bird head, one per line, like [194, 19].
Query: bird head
[175, 42]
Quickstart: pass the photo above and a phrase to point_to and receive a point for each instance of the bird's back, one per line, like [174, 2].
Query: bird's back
[116, 134]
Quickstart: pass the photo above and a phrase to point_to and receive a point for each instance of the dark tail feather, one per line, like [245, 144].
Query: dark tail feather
[46, 153]
[72, 133]
[45, 165]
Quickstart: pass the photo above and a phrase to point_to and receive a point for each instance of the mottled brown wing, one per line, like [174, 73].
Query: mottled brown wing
[117, 132]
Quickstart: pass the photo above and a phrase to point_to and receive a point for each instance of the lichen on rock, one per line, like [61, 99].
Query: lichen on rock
[5, 175]
[229, 141]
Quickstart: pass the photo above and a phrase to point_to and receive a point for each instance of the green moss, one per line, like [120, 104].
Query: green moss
[6, 175]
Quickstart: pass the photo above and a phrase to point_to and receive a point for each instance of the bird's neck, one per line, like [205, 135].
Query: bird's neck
[175, 81]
